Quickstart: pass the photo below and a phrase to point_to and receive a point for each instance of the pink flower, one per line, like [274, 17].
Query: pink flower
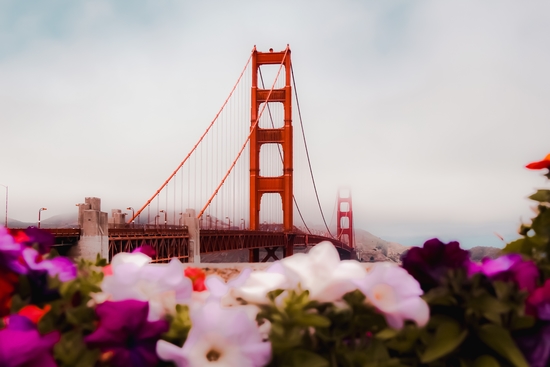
[509, 267]
[396, 294]
[540, 301]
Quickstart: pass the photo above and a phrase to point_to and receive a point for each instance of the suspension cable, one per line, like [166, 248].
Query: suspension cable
[252, 130]
[197, 144]
[307, 151]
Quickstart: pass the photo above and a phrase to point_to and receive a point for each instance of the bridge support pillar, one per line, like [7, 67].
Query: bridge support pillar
[94, 238]
[190, 220]
[254, 255]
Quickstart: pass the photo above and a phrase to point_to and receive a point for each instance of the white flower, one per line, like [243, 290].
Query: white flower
[259, 283]
[323, 274]
[134, 277]
[221, 337]
[395, 293]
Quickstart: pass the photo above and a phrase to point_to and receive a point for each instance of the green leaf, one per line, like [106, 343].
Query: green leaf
[486, 303]
[312, 320]
[305, 358]
[541, 196]
[387, 333]
[448, 336]
[500, 340]
[486, 361]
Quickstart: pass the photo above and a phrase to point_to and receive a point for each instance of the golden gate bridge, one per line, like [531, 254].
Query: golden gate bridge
[244, 179]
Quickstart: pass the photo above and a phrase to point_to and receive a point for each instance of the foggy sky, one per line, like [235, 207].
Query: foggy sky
[427, 110]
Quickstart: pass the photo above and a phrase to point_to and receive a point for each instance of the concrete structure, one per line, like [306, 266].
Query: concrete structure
[190, 220]
[94, 238]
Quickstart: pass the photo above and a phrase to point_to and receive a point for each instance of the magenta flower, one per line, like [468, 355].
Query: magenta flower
[510, 267]
[125, 334]
[21, 345]
[539, 300]
[10, 253]
[36, 236]
[428, 264]
[61, 266]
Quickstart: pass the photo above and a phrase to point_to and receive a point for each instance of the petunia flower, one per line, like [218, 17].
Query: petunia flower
[10, 253]
[545, 163]
[133, 277]
[534, 343]
[510, 267]
[221, 337]
[59, 266]
[323, 274]
[428, 264]
[125, 336]
[255, 287]
[8, 281]
[21, 345]
[197, 276]
[396, 294]
[540, 301]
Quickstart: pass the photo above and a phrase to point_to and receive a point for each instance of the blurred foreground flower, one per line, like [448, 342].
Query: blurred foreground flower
[125, 336]
[395, 293]
[21, 345]
[545, 163]
[428, 264]
[323, 274]
[223, 337]
[510, 267]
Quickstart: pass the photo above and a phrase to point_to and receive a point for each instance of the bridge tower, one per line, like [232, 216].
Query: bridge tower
[344, 218]
[282, 185]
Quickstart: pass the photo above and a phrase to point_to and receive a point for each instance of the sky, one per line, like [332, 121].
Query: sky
[428, 111]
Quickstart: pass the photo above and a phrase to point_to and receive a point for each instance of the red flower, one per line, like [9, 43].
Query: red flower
[34, 313]
[197, 276]
[545, 163]
[8, 280]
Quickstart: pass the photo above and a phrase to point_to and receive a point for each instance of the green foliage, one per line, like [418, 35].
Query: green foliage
[310, 333]
[180, 324]
[535, 241]
[72, 315]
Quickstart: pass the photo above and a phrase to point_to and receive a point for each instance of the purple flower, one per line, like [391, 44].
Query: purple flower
[428, 264]
[539, 300]
[126, 335]
[61, 266]
[44, 239]
[10, 252]
[534, 343]
[21, 345]
[508, 268]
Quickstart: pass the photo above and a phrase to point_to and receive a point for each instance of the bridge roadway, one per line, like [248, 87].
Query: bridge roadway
[173, 241]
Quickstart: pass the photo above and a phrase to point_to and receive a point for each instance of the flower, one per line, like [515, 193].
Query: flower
[36, 236]
[510, 267]
[8, 281]
[197, 276]
[59, 266]
[124, 335]
[21, 345]
[133, 277]
[545, 163]
[222, 337]
[323, 274]
[535, 345]
[255, 287]
[540, 301]
[10, 252]
[395, 293]
[428, 264]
